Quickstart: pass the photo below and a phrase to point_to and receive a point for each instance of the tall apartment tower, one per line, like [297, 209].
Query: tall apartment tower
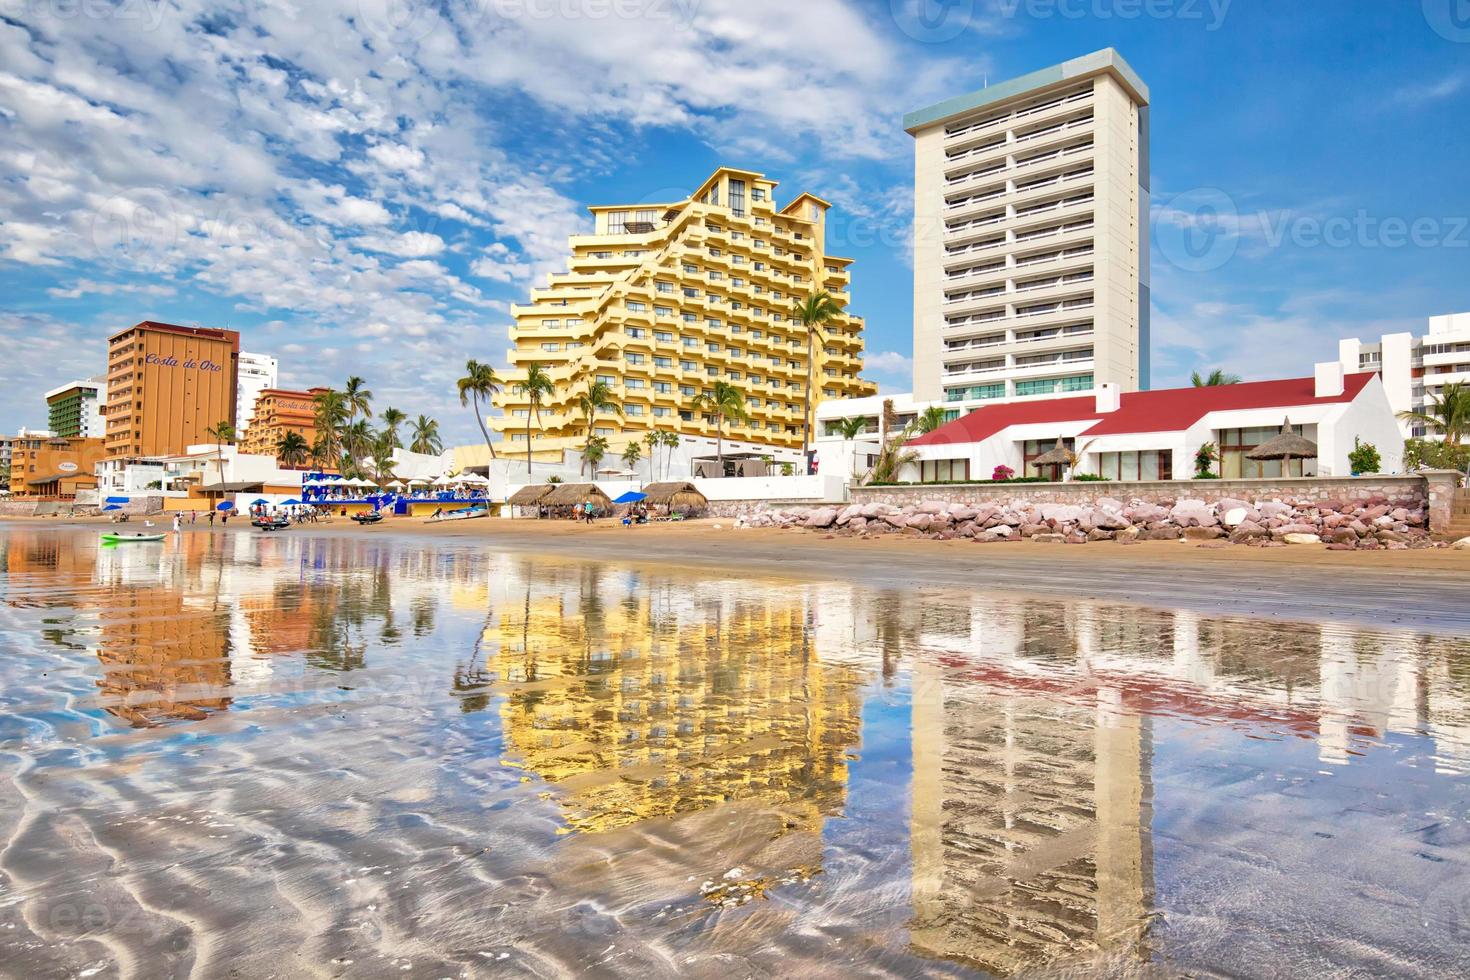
[663, 300]
[1030, 236]
[74, 410]
[167, 385]
[1414, 369]
[257, 373]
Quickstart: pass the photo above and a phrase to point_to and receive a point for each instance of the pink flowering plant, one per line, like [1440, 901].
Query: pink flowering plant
[1002, 472]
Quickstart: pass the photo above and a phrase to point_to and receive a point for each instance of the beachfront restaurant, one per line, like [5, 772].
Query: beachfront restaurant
[1155, 435]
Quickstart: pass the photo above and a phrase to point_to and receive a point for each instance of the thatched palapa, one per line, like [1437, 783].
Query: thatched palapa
[680, 495]
[576, 494]
[1288, 446]
[529, 496]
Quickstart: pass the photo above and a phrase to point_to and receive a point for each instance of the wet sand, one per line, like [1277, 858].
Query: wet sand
[1421, 589]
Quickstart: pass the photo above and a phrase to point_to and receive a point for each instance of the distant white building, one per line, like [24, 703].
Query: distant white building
[74, 410]
[1414, 368]
[257, 372]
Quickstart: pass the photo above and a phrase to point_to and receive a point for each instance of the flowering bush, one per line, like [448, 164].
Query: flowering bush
[1002, 473]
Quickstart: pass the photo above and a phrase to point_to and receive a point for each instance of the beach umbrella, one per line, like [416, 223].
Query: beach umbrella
[1058, 455]
[224, 505]
[258, 502]
[117, 500]
[631, 497]
[112, 507]
[395, 485]
[293, 502]
[443, 481]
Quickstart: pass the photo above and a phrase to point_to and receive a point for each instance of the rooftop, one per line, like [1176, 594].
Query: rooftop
[1167, 410]
[1106, 61]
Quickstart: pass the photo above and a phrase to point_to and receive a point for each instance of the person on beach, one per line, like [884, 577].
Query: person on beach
[178, 524]
[587, 511]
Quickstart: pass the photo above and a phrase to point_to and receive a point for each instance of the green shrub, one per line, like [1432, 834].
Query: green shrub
[1207, 475]
[1089, 478]
[1364, 457]
[1422, 454]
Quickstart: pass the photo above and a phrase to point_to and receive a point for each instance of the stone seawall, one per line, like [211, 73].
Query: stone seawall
[1372, 512]
[1406, 491]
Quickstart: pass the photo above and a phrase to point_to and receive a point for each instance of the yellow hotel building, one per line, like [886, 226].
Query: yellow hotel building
[661, 300]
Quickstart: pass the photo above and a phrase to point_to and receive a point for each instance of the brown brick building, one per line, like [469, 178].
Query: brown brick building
[167, 385]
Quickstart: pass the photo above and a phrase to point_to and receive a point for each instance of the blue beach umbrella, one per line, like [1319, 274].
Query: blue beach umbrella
[112, 507]
[117, 500]
[293, 502]
[631, 497]
[258, 501]
[224, 505]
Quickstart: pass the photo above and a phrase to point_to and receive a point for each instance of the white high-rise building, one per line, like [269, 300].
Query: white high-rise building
[1030, 236]
[1414, 369]
[257, 372]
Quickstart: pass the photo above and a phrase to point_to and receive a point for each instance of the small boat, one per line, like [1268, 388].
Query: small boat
[462, 514]
[117, 537]
[369, 517]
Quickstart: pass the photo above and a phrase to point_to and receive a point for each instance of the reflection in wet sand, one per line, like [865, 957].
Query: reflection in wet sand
[372, 756]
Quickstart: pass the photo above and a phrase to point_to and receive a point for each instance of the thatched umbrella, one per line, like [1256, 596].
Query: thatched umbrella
[680, 494]
[1058, 456]
[1286, 447]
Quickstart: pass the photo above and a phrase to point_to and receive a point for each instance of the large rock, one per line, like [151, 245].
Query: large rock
[1031, 530]
[825, 517]
[1234, 517]
[1193, 513]
[1061, 513]
[1273, 508]
[921, 522]
[1145, 513]
[1160, 534]
[1297, 538]
[1110, 520]
[1127, 535]
[932, 507]
[896, 520]
[1049, 538]
[962, 512]
[1462, 545]
[1203, 533]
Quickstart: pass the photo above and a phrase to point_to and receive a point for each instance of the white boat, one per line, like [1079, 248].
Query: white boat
[462, 514]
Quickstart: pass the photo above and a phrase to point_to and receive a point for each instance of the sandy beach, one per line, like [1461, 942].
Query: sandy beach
[1427, 588]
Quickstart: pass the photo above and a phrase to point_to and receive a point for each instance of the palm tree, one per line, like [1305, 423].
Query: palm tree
[221, 432]
[632, 453]
[425, 437]
[1448, 412]
[392, 419]
[930, 419]
[670, 442]
[850, 429]
[536, 388]
[357, 439]
[893, 457]
[652, 439]
[1215, 378]
[358, 397]
[292, 449]
[593, 452]
[381, 455]
[597, 398]
[811, 313]
[331, 415]
[723, 401]
[479, 382]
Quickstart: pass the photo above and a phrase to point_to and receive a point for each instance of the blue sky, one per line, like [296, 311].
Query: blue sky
[364, 186]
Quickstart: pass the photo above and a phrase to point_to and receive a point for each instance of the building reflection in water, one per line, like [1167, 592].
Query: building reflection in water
[645, 699]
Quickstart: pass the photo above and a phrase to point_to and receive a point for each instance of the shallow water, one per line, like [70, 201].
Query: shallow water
[286, 755]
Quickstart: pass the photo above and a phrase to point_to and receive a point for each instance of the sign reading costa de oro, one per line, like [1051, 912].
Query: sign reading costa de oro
[188, 364]
[67, 466]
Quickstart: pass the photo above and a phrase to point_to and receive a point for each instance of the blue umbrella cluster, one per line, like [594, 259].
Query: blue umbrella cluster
[631, 497]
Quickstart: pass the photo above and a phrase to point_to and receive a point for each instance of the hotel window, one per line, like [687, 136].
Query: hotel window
[689, 365]
[663, 336]
[944, 470]
[735, 328]
[736, 281]
[738, 259]
[712, 321]
[632, 383]
[663, 387]
[713, 346]
[757, 193]
[732, 373]
[691, 341]
[617, 222]
[716, 275]
[663, 311]
[735, 351]
[637, 333]
[632, 358]
[756, 379]
[551, 346]
[663, 362]
[688, 318]
[1143, 465]
[637, 306]
[602, 255]
[604, 430]
[737, 197]
[520, 413]
[663, 287]
[547, 324]
[1235, 443]
[574, 345]
[661, 412]
[687, 391]
[713, 298]
[607, 379]
[691, 267]
[711, 370]
[755, 334]
[633, 409]
[691, 292]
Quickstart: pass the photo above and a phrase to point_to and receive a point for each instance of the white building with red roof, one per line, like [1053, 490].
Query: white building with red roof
[1154, 435]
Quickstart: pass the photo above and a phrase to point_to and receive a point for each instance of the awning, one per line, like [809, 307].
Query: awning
[255, 487]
